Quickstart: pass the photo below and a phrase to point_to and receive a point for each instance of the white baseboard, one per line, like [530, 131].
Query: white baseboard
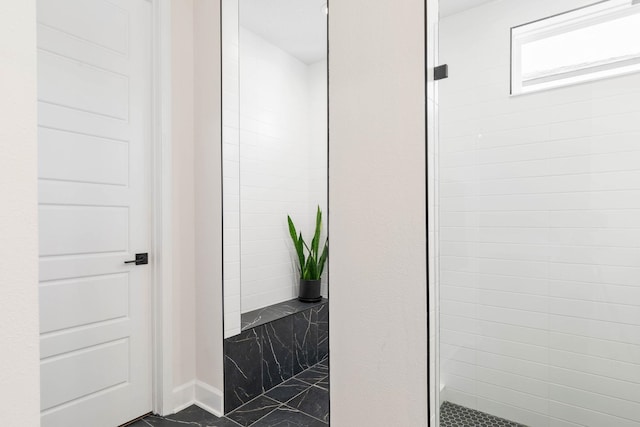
[209, 398]
[443, 393]
[198, 393]
[184, 396]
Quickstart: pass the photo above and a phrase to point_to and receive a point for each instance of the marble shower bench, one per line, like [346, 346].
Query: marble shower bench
[276, 343]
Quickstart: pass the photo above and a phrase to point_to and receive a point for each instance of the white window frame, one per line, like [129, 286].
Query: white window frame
[562, 23]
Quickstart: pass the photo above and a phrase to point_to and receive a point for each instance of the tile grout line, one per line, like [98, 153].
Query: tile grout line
[285, 404]
[305, 413]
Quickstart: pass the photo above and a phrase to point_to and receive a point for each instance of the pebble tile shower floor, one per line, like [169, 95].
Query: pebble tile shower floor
[458, 416]
[302, 401]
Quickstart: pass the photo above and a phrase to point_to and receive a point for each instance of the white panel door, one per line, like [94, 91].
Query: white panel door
[94, 98]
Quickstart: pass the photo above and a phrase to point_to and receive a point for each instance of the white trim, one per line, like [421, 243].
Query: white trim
[563, 23]
[209, 398]
[442, 394]
[162, 356]
[572, 19]
[183, 396]
[200, 394]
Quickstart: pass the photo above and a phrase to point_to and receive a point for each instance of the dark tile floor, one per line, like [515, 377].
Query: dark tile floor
[302, 401]
[459, 416]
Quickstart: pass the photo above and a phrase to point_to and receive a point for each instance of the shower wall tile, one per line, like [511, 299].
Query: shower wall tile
[282, 122]
[274, 116]
[539, 229]
[262, 357]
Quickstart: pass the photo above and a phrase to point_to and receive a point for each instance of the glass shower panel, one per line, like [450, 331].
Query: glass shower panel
[537, 235]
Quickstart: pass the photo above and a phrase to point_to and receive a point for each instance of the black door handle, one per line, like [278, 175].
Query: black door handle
[141, 259]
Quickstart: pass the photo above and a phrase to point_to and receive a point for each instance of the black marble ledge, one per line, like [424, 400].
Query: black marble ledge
[274, 312]
[268, 354]
[242, 368]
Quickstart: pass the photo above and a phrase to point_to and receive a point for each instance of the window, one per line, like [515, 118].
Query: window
[594, 42]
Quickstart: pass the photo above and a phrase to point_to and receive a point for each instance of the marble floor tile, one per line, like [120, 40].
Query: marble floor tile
[192, 416]
[252, 411]
[285, 416]
[312, 375]
[323, 384]
[294, 403]
[321, 369]
[314, 401]
[287, 390]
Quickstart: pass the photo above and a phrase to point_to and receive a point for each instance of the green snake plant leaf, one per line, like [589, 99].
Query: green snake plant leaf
[323, 257]
[315, 243]
[300, 250]
[311, 263]
[297, 243]
[312, 268]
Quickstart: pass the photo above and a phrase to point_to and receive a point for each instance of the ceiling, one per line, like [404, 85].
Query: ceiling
[450, 7]
[298, 27]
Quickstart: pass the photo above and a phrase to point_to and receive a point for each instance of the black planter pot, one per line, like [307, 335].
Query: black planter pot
[309, 291]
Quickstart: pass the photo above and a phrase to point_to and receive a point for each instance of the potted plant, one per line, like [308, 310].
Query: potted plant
[310, 260]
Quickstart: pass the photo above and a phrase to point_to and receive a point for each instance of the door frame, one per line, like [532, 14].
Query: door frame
[161, 198]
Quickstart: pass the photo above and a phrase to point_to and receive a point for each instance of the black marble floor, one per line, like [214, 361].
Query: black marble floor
[302, 401]
[452, 415]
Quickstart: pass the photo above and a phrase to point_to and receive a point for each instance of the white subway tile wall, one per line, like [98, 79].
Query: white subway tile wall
[275, 158]
[539, 245]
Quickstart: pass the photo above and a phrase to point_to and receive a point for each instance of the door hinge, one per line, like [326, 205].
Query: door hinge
[441, 72]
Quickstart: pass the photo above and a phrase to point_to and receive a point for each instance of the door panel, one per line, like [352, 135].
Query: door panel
[101, 367]
[94, 299]
[81, 86]
[69, 156]
[72, 230]
[94, 119]
[103, 24]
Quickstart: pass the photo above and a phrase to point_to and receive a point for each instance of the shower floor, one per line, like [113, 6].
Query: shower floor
[452, 415]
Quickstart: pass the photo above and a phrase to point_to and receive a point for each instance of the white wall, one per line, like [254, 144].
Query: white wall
[196, 213]
[19, 329]
[208, 212]
[182, 127]
[540, 232]
[377, 213]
